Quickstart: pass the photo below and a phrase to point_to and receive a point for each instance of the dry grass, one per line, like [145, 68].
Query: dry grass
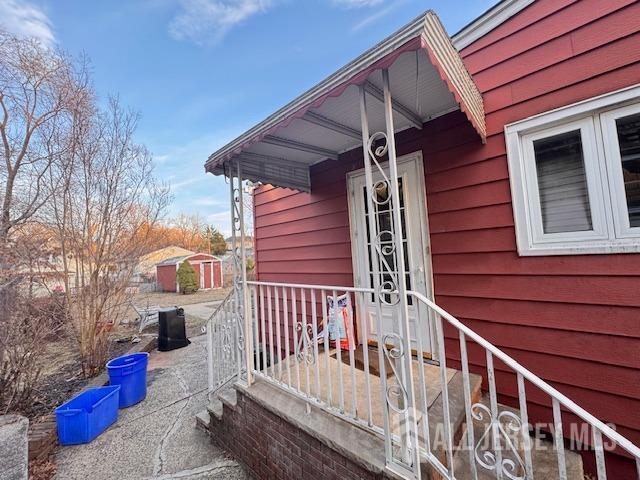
[169, 299]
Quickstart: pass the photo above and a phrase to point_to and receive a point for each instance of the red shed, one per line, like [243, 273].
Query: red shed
[208, 268]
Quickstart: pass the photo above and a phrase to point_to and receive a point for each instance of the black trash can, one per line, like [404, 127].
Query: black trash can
[172, 332]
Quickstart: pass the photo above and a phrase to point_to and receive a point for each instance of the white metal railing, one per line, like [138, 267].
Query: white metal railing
[290, 321]
[303, 355]
[225, 343]
[516, 467]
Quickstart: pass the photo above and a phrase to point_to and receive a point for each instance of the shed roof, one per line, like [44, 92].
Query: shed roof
[150, 260]
[182, 258]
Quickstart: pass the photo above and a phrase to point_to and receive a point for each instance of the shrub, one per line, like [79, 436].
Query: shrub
[187, 278]
[25, 325]
[251, 264]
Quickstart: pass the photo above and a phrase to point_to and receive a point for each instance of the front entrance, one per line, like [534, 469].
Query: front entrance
[415, 231]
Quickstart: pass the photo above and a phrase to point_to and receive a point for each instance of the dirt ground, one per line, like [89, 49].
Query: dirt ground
[61, 375]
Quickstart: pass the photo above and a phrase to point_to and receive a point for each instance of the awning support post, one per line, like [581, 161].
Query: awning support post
[242, 307]
[398, 395]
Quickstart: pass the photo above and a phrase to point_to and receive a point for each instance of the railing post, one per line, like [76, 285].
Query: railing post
[371, 220]
[242, 337]
[398, 398]
[210, 355]
[410, 433]
[246, 299]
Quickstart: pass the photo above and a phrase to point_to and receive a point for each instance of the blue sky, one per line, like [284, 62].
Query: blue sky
[200, 72]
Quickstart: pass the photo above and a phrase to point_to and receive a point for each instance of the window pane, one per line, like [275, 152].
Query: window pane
[564, 197]
[384, 223]
[629, 141]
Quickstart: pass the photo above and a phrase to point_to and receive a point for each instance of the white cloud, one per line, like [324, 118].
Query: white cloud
[208, 21]
[376, 16]
[160, 159]
[216, 217]
[356, 3]
[26, 20]
[206, 202]
[188, 181]
[221, 220]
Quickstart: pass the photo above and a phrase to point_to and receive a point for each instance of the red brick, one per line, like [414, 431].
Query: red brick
[270, 447]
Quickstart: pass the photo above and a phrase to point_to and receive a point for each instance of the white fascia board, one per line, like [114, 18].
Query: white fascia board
[489, 20]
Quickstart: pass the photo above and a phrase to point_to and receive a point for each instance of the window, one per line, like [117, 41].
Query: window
[384, 214]
[575, 177]
[562, 183]
[621, 135]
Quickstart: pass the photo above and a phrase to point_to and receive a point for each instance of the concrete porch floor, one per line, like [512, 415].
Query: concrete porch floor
[324, 380]
[544, 458]
[355, 383]
[158, 438]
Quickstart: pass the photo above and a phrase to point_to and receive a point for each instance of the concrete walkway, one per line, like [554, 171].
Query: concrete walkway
[157, 439]
[201, 310]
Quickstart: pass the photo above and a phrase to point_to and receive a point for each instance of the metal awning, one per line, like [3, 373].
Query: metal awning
[427, 79]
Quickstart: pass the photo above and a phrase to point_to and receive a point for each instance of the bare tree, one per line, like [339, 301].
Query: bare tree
[106, 199]
[26, 318]
[191, 230]
[40, 93]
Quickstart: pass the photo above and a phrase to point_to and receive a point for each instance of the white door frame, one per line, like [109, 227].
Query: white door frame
[201, 270]
[421, 221]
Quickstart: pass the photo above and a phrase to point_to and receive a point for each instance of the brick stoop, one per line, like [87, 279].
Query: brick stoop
[274, 435]
[271, 433]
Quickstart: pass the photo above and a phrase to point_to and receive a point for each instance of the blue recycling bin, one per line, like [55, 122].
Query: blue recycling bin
[87, 415]
[130, 372]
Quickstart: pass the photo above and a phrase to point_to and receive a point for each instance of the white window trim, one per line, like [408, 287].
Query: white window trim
[609, 234]
[614, 166]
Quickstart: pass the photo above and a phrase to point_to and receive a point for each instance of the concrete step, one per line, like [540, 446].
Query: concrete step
[229, 397]
[215, 408]
[203, 419]
[457, 415]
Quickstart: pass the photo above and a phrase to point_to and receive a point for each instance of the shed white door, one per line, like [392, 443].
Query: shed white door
[415, 232]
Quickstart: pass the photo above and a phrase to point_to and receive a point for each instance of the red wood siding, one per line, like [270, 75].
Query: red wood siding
[573, 320]
[205, 257]
[217, 274]
[305, 236]
[166, 278]
[207, 275]
[197, 267]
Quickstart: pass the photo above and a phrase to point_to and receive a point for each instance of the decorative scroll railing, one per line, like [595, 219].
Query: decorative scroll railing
[228, 348]
[225, 344]
[361, 384]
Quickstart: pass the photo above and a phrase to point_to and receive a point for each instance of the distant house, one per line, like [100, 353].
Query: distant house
[248, 243]
[208, 269]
